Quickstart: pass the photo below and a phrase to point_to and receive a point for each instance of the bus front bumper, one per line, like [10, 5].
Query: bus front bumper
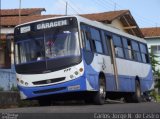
[76, 85]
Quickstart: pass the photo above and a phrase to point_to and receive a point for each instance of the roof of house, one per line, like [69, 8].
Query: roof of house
[105, 16]
[124, 16]
[13, 21]
[151, 32]
[24, 12]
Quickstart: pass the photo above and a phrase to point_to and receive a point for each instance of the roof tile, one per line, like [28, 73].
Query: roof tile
[24, 12]
[151, 32]
[13, 21]
[105, 16]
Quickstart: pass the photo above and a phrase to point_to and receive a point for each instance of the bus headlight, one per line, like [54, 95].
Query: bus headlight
[26, 83]
[21, 81]
[76, 72]
[18, 79]
[71, 76]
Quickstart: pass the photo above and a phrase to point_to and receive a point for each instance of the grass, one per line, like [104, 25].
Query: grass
[158, 98]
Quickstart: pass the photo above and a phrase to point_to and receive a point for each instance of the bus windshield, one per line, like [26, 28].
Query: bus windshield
[47, 45]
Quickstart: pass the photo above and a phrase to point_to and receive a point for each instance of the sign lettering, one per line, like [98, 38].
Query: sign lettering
[52, 24]
[25, 29]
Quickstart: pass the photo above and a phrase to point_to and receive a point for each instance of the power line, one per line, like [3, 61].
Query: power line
[141, 19]
[106, 5]
[102, 5]
[68, 5]
[76, 6]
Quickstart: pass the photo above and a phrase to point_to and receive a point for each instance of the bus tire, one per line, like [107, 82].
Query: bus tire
[99, 97]
[137, 94]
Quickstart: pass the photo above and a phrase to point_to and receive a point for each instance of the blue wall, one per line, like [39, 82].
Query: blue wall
[7, 78]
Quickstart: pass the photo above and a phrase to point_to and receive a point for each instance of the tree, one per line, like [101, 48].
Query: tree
[156, 72]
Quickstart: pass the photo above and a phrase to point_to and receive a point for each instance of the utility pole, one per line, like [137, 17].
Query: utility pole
[66, 9]
[19, 11]
[115, 5]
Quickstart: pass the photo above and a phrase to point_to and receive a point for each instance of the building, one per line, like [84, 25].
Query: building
[152, 36]
[122, 20]
[7, 24]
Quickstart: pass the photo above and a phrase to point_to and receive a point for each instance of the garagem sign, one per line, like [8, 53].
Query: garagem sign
[51, 24]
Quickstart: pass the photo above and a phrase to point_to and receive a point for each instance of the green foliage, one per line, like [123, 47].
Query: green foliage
[154, 62]
[155, 95]
[14, 88]
[156, 72]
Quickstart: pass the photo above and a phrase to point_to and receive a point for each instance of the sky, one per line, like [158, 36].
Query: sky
[145, 12]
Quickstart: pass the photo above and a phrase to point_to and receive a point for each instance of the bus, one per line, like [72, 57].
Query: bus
[74, 57]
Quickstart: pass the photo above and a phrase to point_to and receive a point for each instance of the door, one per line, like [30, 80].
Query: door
[113, 67]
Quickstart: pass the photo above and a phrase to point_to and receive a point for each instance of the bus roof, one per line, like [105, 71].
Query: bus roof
[100, 25]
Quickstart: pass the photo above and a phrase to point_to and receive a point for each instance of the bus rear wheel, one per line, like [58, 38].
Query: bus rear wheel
[99, 97]
[137, 95]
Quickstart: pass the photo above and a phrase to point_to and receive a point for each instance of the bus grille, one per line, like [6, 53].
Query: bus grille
[49, 90]
[48, 81]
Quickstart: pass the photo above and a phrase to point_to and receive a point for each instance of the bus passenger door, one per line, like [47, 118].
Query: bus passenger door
[113, 68]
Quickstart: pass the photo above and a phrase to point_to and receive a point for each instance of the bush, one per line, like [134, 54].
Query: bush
[14, 88]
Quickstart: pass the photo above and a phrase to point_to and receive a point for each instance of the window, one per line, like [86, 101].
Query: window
[2, 58]
[144, 54]
[127, 48]
[155, 49]
[85, 36]
[96, 40]
[105, 42]
[118, 46]
[5, 60]
[136, 53]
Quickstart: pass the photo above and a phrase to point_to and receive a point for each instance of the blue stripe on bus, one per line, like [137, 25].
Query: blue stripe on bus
[126, 84]
[29, 91]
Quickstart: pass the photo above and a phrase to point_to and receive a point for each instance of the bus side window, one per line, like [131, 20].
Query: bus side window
[85, 37]
[118, 46]
[96, 40]
[144, 53]
[136, 51]
[105, 42]
[127, 48]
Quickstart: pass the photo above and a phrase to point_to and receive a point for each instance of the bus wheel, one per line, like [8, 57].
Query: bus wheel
[137, 95]
[99, 97]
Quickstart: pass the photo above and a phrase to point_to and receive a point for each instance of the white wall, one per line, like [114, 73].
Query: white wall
[152, 42]
[7, 30]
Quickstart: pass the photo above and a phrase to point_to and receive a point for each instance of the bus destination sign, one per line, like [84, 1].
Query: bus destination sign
[51, 24]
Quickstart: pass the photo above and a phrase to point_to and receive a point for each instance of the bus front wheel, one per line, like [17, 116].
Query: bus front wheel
[99, 97]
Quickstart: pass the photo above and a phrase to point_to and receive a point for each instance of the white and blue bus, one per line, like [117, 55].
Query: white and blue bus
[71, 56]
